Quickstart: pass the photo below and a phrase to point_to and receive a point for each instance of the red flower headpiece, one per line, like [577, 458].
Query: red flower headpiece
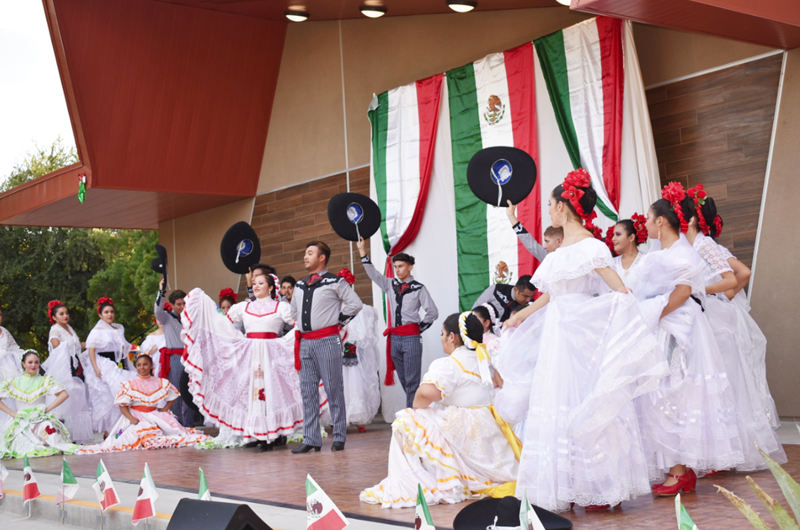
[674, 194]
[167, 307]
[348, 276]
[573, 192]
[50, 305]
[698, 194]
[277, 283]
[228, 293]
[639, 225]
[104, 300]
[609, 242]
[718, 225]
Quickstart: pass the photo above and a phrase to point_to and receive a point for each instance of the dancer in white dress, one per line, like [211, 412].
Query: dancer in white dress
[689, 424]
[64, 365]
[452, 442]
[626, 236]
[32, 429]
[153, 343]
[105, 348]
[246, 385]
[733, 338]
[10, 354]
[227, 299]
[582, 363]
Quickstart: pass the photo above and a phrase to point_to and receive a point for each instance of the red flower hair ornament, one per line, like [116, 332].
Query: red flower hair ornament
[698, 195]
[674, 194]
[228, 293]
[167, 307]
[104, 300]
[348, 276]
[50, 305]
[573, 192]
[639, 225]
[608, 240]
[718, 225]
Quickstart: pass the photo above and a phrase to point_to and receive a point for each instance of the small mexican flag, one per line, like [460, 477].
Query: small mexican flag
[322, 513]
[528, 519]
[69, 486]
[30, 488]
[104, 488]
[3, 476]
[145, 506]
[684, 521]
[422, 519]
[203, 494]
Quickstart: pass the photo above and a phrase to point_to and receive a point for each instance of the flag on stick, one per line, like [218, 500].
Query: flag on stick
[145, 506]
[422, 519]
[69, 485]
[104, 488]
[3, 476]
[321, 511]
[684, 521]
[528, 519]
[30, 488]
[203, 494]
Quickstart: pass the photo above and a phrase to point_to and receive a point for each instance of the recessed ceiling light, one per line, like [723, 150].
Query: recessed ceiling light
[373, 11]
[563, 2]
[462, 7]
[296, 16]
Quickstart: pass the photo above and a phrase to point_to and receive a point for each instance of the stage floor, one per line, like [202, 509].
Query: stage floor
[278, 478]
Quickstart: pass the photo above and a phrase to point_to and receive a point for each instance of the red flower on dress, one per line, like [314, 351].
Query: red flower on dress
[104, 300]
[348, 276]
[50, 430]
[674, 194]
[50, 305]
[261, 396]
[609, 242]
[228, 293]
[639, 225]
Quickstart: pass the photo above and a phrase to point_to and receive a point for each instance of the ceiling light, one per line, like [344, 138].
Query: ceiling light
[296, 16]
[461, 6]
[373, 11]
[563, 2]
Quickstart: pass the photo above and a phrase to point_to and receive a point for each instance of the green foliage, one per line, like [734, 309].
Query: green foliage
[41, 162]
[128, 278]
[43, 264]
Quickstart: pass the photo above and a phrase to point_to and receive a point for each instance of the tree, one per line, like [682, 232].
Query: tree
[39, 163]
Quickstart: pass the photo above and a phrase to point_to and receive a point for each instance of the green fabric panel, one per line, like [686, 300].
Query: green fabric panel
[379, 118]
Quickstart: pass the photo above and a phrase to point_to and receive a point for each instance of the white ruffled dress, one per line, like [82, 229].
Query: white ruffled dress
[738, 349]
[456, 449]
[10, 363]
[574, 371]
[105, 337]
[157, 341]
[691, 418]
[247, 386]
[75, 412]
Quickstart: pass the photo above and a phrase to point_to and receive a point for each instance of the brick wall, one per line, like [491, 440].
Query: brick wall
[715, 130]
[285, 220]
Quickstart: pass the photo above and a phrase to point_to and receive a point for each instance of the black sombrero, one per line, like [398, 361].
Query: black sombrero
[480, 514]
[352, 215]
[240, 248]
[159, 263]
[499, 174]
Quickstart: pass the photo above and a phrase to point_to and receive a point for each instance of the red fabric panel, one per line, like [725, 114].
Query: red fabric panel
[610, 32]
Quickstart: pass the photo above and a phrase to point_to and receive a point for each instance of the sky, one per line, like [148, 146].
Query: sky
[32, 107]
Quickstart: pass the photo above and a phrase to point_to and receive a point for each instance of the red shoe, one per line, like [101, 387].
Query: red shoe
[712, 473]
[597, 507]
[361, 428]
[686, 484]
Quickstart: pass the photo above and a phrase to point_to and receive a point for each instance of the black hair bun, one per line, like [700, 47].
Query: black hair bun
[474, 328]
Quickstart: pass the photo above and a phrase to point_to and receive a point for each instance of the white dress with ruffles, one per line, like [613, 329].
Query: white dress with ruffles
[105, 337]
[10, 363]
[247, 386]
[75, 412]
[456, 449]
[691, 419]
[739, 354]
[575, 371]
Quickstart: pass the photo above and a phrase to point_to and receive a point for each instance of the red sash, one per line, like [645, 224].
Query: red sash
[163, 370]
[311, 335]
[261, 335]
[142, 408]
[401, 331]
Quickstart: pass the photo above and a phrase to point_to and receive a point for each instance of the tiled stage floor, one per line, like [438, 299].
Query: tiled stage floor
[278, 478]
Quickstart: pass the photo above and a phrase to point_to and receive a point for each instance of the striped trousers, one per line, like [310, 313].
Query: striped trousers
[322, 359]
[407, 357]
[180, 409]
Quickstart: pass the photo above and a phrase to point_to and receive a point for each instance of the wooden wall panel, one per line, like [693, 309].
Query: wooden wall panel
[287, 219]
[715, 130]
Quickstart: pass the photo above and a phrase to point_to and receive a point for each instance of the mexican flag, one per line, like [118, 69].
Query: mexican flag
[491, 102]
[30, 488]
[684, 521]
[204, 494]
[3, 477]
[528, 519]
[145, 506]
[322, 513]
[104, 488]
[69, 485]
[422, 518]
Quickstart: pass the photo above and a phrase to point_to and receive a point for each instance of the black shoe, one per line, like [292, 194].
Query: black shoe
[337, 446]
[305, 449]
[266, 447]
[250, 445]
[281, 440]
